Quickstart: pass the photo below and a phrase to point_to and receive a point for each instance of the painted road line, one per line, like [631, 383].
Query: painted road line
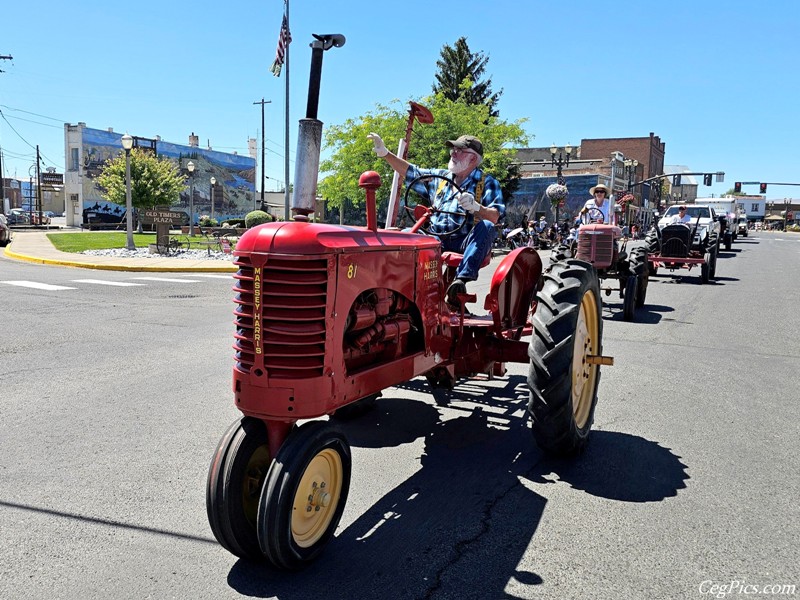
[166, 280]
[39, 286]
[103, 282]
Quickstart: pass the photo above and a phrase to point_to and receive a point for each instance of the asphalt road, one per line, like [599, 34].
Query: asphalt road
[113, 398]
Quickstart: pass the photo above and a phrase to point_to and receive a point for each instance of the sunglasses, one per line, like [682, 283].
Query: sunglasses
[462, 151]
[600, 192]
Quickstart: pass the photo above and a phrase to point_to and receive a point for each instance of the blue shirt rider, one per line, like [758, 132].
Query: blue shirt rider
[474, 243]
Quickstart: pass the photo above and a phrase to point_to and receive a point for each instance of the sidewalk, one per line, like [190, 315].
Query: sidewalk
[33, 246]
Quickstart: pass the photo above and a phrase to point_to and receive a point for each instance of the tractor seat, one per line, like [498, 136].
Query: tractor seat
[453, 259]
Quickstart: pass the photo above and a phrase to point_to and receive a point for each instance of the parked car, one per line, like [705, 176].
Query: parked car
[17, 216]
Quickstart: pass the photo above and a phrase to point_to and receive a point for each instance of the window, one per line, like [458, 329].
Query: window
[754, 207]
[73, 159]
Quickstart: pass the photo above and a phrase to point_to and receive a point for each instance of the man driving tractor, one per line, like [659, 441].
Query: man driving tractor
[474, 240]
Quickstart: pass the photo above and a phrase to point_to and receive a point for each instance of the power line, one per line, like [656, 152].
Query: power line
[27, 112]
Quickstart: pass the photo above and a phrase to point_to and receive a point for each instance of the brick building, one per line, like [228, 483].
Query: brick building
[649, 151]
[594, 161]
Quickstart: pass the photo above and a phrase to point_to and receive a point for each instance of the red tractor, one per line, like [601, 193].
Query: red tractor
[603, 246]
[327, 316]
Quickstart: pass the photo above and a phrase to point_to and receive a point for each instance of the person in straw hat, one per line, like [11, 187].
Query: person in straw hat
[598, 201]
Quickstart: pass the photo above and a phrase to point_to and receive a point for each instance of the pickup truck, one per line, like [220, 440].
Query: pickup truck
[742, 226]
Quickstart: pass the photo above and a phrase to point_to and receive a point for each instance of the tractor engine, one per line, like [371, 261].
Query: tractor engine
[597, 245]
[377, 329]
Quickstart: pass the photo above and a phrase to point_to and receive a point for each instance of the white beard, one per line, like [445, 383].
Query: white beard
[458, 167]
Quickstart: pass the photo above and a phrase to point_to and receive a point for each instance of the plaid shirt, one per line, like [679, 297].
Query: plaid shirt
[446, 199]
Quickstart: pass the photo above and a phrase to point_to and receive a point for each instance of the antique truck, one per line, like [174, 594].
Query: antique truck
[685, 245]
[327, 316]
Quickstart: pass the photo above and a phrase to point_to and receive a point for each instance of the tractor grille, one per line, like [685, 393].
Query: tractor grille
[596, 248]
[289, 339]
[675, 241]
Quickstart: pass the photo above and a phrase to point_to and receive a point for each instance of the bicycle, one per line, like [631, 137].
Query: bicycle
[173, 245]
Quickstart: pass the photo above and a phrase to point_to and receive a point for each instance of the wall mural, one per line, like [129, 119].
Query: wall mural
[234, 193]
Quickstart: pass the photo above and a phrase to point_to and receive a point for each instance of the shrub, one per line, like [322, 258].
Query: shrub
[206, 221]
[233, 223]
[256, 217]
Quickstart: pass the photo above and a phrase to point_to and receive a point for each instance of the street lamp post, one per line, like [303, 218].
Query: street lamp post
[190, 168]
[213, 183]
[630, 167]
[561, 161]
[785, 212]
[127, 144]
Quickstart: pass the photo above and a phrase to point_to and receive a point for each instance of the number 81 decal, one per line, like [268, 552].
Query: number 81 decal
[351, 271]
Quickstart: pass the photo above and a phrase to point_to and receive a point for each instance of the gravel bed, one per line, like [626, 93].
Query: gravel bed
[200, 254]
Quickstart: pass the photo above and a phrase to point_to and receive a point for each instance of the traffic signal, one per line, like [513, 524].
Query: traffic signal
[707, 179]
[737, 187]
[676, 180]
[762, 187]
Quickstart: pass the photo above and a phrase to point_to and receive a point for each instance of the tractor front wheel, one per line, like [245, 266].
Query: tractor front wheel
[705, 268]
[563, 381]
[233, 488]
[304, 495]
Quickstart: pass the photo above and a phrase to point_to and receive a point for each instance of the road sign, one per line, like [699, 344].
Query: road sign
[169, 217]
[51, 178]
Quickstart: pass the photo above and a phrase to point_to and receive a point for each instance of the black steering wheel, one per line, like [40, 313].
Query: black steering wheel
[460, 216]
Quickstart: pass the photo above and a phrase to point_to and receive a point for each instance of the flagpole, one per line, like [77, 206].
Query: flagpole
[286, 131]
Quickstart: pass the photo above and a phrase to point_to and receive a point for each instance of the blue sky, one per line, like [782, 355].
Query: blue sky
[717, 80]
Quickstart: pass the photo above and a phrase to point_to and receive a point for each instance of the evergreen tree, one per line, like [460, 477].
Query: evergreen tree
[459, 77]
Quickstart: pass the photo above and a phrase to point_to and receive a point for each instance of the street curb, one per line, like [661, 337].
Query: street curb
[111, 267]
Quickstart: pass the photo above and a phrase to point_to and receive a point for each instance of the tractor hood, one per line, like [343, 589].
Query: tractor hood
[296, 237]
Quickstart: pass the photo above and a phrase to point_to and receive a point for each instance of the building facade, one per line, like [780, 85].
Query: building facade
[87, 151]
[620, 163]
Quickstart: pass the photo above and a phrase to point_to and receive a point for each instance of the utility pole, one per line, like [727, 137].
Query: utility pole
[262, 103]
[38, 184]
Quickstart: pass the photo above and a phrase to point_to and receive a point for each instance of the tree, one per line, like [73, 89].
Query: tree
[352, 152]
[154, 181]
[457, 66]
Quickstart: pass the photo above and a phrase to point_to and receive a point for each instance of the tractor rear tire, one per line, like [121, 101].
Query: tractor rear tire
[638, 266]
[705, 268]
[653, 247]
[560, 253]
[567, 328]
[713, 249]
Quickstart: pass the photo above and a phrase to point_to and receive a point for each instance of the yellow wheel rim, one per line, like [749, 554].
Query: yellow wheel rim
[317, 498]
[584, 375]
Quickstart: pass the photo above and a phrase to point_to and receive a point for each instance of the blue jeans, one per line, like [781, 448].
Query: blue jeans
[474, 247]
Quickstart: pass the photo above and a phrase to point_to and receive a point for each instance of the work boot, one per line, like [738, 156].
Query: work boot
[458, 286]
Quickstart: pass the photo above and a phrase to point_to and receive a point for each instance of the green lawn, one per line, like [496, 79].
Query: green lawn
[101, 240]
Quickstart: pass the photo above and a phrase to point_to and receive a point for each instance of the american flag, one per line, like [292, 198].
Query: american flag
[284, 39]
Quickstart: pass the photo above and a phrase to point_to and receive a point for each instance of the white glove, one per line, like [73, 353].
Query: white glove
[467, 201]
[377, 145]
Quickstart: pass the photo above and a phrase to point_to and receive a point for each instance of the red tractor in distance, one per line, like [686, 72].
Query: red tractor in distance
[327, 316]
[603, 246]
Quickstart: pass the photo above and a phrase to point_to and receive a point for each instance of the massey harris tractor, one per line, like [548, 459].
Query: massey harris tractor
[327, 316]
[602, 245]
